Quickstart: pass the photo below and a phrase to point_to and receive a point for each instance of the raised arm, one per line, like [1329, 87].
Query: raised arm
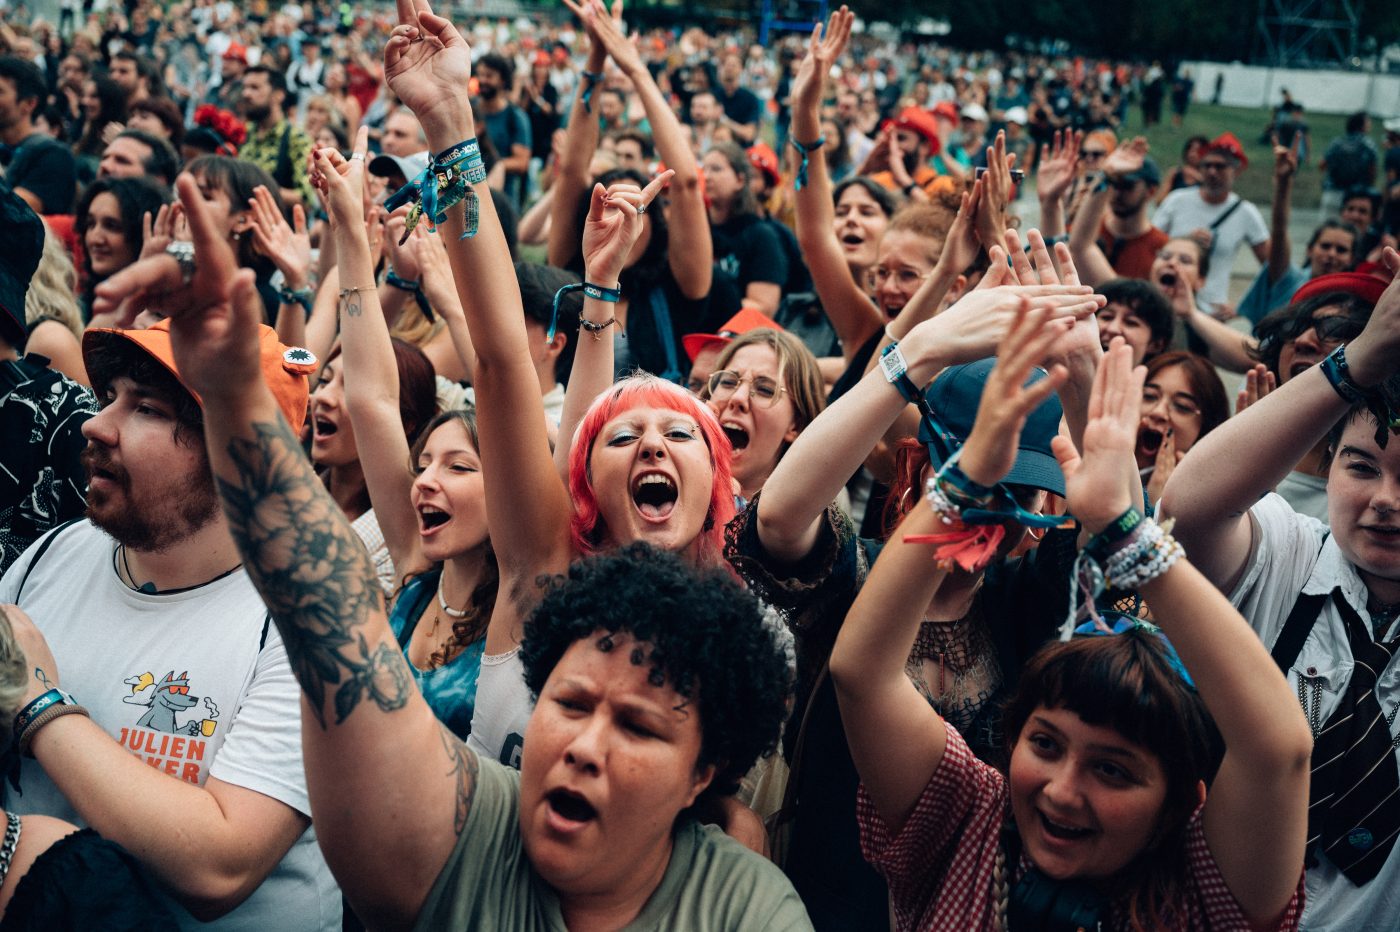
[365, 726]
[1226, 346]
[691, 251]
[613, 226]
[850, 310]
[527, 505]
[1280, 255]
[1054, 177]
[372, 376]
[867, 665]
[1241, 686]
[1242, 459]
[1094, 266]
[571, 184]
[833, 446]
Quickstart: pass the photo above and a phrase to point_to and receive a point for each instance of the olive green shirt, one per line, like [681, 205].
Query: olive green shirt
[712, 883]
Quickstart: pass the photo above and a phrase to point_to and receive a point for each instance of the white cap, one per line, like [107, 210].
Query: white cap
[974, 112]
[1392, 125]
[1018, 115]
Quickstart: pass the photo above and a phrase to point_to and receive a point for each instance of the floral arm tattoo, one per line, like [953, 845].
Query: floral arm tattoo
[313, 573]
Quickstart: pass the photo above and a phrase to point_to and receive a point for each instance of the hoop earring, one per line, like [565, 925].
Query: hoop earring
[1034, 536]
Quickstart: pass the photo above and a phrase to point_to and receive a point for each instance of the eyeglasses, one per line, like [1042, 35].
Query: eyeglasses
[724, 383]
[1090, 155]
[1334, 329]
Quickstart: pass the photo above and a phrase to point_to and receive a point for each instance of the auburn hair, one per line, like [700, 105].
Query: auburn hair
[587, 529]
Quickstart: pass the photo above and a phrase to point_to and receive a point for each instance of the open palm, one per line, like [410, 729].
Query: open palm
[822, 54]
[426, 61]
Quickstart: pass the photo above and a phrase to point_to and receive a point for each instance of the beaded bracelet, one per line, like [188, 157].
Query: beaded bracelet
[1142, 553]
[806, 148]
[1334, 366]
[950, 491]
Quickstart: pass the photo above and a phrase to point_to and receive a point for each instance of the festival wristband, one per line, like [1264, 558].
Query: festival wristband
[45, 700]
[600, 293]
[806, 148]
[1103, 544]
[896, 371]
[26, 738]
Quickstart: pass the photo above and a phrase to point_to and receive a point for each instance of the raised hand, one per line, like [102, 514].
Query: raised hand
[1162, 468]
[214, 314]
[1127, 158]
[1099, 485]
[606, 29]
[614, 223]
[428, 66]
[435, 273]
[167, 227]
[1058, 162]
[157, 281]
[1258, 383]
[973, 327]
[961, 245]
[1007, 400]
[822, 54]
[289, 248]
[1374, 355]
[1286, 159]
[341, 181]
[996, 192]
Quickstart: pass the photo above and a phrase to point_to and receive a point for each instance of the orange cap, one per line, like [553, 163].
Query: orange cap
[763, 158]
[747, 319]
[284, 369]
[922, 122]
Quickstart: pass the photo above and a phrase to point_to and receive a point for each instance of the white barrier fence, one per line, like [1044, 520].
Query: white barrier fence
[1317, 91]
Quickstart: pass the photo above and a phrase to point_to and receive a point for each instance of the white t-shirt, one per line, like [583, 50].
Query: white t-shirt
[367, 527]
[1185, 210]
[503, 708]
[1307, 494]
[1290, 556]
[194, 683]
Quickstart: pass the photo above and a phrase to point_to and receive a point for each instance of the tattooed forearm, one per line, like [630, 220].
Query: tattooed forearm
[313, 573]
[463, 770]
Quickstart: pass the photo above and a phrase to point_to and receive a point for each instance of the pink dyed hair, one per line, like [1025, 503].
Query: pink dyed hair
[586, 526]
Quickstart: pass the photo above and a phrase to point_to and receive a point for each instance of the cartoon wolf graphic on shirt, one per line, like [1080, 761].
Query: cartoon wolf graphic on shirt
[164, 699]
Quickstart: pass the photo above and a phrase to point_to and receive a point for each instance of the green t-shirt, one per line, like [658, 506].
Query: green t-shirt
[712, 883]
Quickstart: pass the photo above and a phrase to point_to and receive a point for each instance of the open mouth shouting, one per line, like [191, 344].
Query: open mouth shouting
[738, 436]
[431, 519]
[654, 494]
[323, 427]
[1149, 443]
[568, 811]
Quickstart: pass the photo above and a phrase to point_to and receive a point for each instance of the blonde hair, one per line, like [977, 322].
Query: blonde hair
[51, 290]
[14, 673]
[413, 326]
[798, 371]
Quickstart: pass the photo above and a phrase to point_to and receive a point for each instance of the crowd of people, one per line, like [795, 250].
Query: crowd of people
[529, 475]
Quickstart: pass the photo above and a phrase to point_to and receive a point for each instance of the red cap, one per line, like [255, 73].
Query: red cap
[1367, 287]
[237, 52]
[741, 323]
[1228, 143]
[284, 369]
[922, 122]
[763, 158]
[947, 110]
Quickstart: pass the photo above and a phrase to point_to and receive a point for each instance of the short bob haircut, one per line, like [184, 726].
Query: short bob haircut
[1146, 301]
[698, 630]
[798, 371]
[1126, 682]
[1204, 381]
[586, 528]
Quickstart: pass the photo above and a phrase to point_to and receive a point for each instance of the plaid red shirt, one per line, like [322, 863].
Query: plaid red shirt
[940, 866]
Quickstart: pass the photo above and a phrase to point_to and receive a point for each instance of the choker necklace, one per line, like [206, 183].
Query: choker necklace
[442, 602]
[149, 588]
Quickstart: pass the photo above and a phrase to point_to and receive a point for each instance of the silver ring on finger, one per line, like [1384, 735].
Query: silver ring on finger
[183, 253]
[641, 208]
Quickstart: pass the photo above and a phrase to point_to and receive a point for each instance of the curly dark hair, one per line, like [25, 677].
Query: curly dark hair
[707, 636]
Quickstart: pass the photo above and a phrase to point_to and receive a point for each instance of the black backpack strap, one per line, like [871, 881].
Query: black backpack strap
[38, 554]
[1219, 221]
[262, 639]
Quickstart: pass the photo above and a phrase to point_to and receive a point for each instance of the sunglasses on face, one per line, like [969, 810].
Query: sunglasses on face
[1092, 154]
[1328, 329]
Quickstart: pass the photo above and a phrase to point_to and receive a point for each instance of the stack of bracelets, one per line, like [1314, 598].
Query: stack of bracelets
[40, 712]
[446, 181]
[950, 492]
[1129, 552]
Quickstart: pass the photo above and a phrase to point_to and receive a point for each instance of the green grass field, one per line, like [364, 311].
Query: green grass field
[1256, 182]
